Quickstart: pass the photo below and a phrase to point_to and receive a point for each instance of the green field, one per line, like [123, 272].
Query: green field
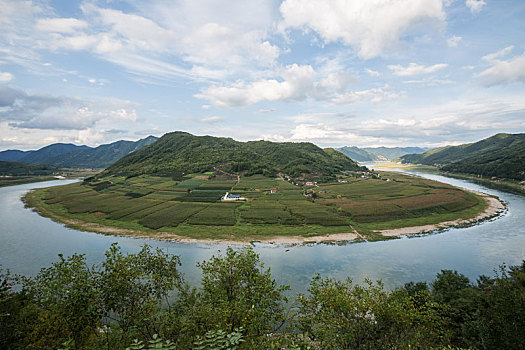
[273, 207]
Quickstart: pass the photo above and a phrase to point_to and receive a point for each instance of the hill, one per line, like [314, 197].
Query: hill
[502, 156]
[23, 169]
[43, 155]
[67, 155]
[393, 152]
[13, 155]
[180, 153]
[99, 157]
[358, 154]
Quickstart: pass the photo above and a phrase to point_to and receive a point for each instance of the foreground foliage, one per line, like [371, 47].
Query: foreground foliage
[140, 301]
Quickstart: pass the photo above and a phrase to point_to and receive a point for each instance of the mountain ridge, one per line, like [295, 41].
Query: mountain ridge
[68, 155]
[501, 155]
[180, 152]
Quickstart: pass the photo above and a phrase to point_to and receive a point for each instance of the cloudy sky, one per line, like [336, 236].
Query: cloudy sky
[332, 72]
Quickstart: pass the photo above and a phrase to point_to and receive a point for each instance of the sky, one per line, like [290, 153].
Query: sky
[333, 72]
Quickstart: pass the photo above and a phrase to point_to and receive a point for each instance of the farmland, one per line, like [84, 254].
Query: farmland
[191, 207]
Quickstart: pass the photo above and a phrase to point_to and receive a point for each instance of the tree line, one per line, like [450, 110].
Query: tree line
[141, 301]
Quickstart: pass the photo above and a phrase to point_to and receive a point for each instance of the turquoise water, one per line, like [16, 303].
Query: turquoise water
[29, 242]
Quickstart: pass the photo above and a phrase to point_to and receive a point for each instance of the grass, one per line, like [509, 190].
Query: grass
[192, 208]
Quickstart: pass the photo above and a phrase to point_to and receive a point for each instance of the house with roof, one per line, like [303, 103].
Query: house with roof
[232, 197]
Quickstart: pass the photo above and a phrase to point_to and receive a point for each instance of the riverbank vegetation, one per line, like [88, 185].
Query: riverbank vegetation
[17, 173]
[141, 301]
[152, 206]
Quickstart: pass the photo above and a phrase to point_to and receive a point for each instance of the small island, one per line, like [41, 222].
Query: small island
[207, 189]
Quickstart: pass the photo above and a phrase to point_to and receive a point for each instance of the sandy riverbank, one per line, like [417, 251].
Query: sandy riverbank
[494, 206]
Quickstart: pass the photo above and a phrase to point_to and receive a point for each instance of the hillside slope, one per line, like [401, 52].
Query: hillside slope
[502, 155]
[13, 155]
[179, 152]
[23, 169]
[99, 157]
[42, 155]
[358, 154]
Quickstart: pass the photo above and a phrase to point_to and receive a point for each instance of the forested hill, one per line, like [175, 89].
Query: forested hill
[67, 155]
[502, 156]
[23, 169]
[99, 157]
[358, 154]
[57, 149]
[180, 152]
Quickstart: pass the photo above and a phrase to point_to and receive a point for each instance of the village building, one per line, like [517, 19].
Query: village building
[232, 197]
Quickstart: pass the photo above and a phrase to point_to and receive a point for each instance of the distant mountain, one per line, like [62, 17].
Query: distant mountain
[43, 155]
[393, 152]
[502, 156]
[24, 169]
[180, 152]
[13, 155]
[371, 154]
[67, 155]
[99, 157]
[358, 154]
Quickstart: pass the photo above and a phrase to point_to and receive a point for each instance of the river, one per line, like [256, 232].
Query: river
[29, 242]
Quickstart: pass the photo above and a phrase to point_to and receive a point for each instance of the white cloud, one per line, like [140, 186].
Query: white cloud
[453, 41]
[371, 26]
[60, 25]
[374, 95]
[297, 81]
[47, 112]
[158, 40]
[5, 77]
[372, 73]
[430, 82]
[475, 6]
[415, 69]
[457, 121]
[503, 71]
[493, 57]
[265, 111]
[212, 119]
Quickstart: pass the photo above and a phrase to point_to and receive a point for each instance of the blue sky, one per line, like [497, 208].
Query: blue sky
[331, 72]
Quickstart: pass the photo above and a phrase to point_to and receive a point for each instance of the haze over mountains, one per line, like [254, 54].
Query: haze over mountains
[371, 154]
[68, 155]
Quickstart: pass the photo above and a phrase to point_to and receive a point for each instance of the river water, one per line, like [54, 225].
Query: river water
[29, 242]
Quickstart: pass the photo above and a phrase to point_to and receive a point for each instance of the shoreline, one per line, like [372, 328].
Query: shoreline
[494, 208]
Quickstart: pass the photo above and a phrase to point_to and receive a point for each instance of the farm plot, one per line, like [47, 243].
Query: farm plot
[206, 196]
[374, 211]
[264, 212]
[220, 214]
[217, 185]
[172, 215]
[315, 214]
[134, 206]
[190, 184]
[262, 183]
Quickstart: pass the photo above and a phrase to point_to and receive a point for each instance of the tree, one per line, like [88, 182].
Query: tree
[341, 315]
[237, 291]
